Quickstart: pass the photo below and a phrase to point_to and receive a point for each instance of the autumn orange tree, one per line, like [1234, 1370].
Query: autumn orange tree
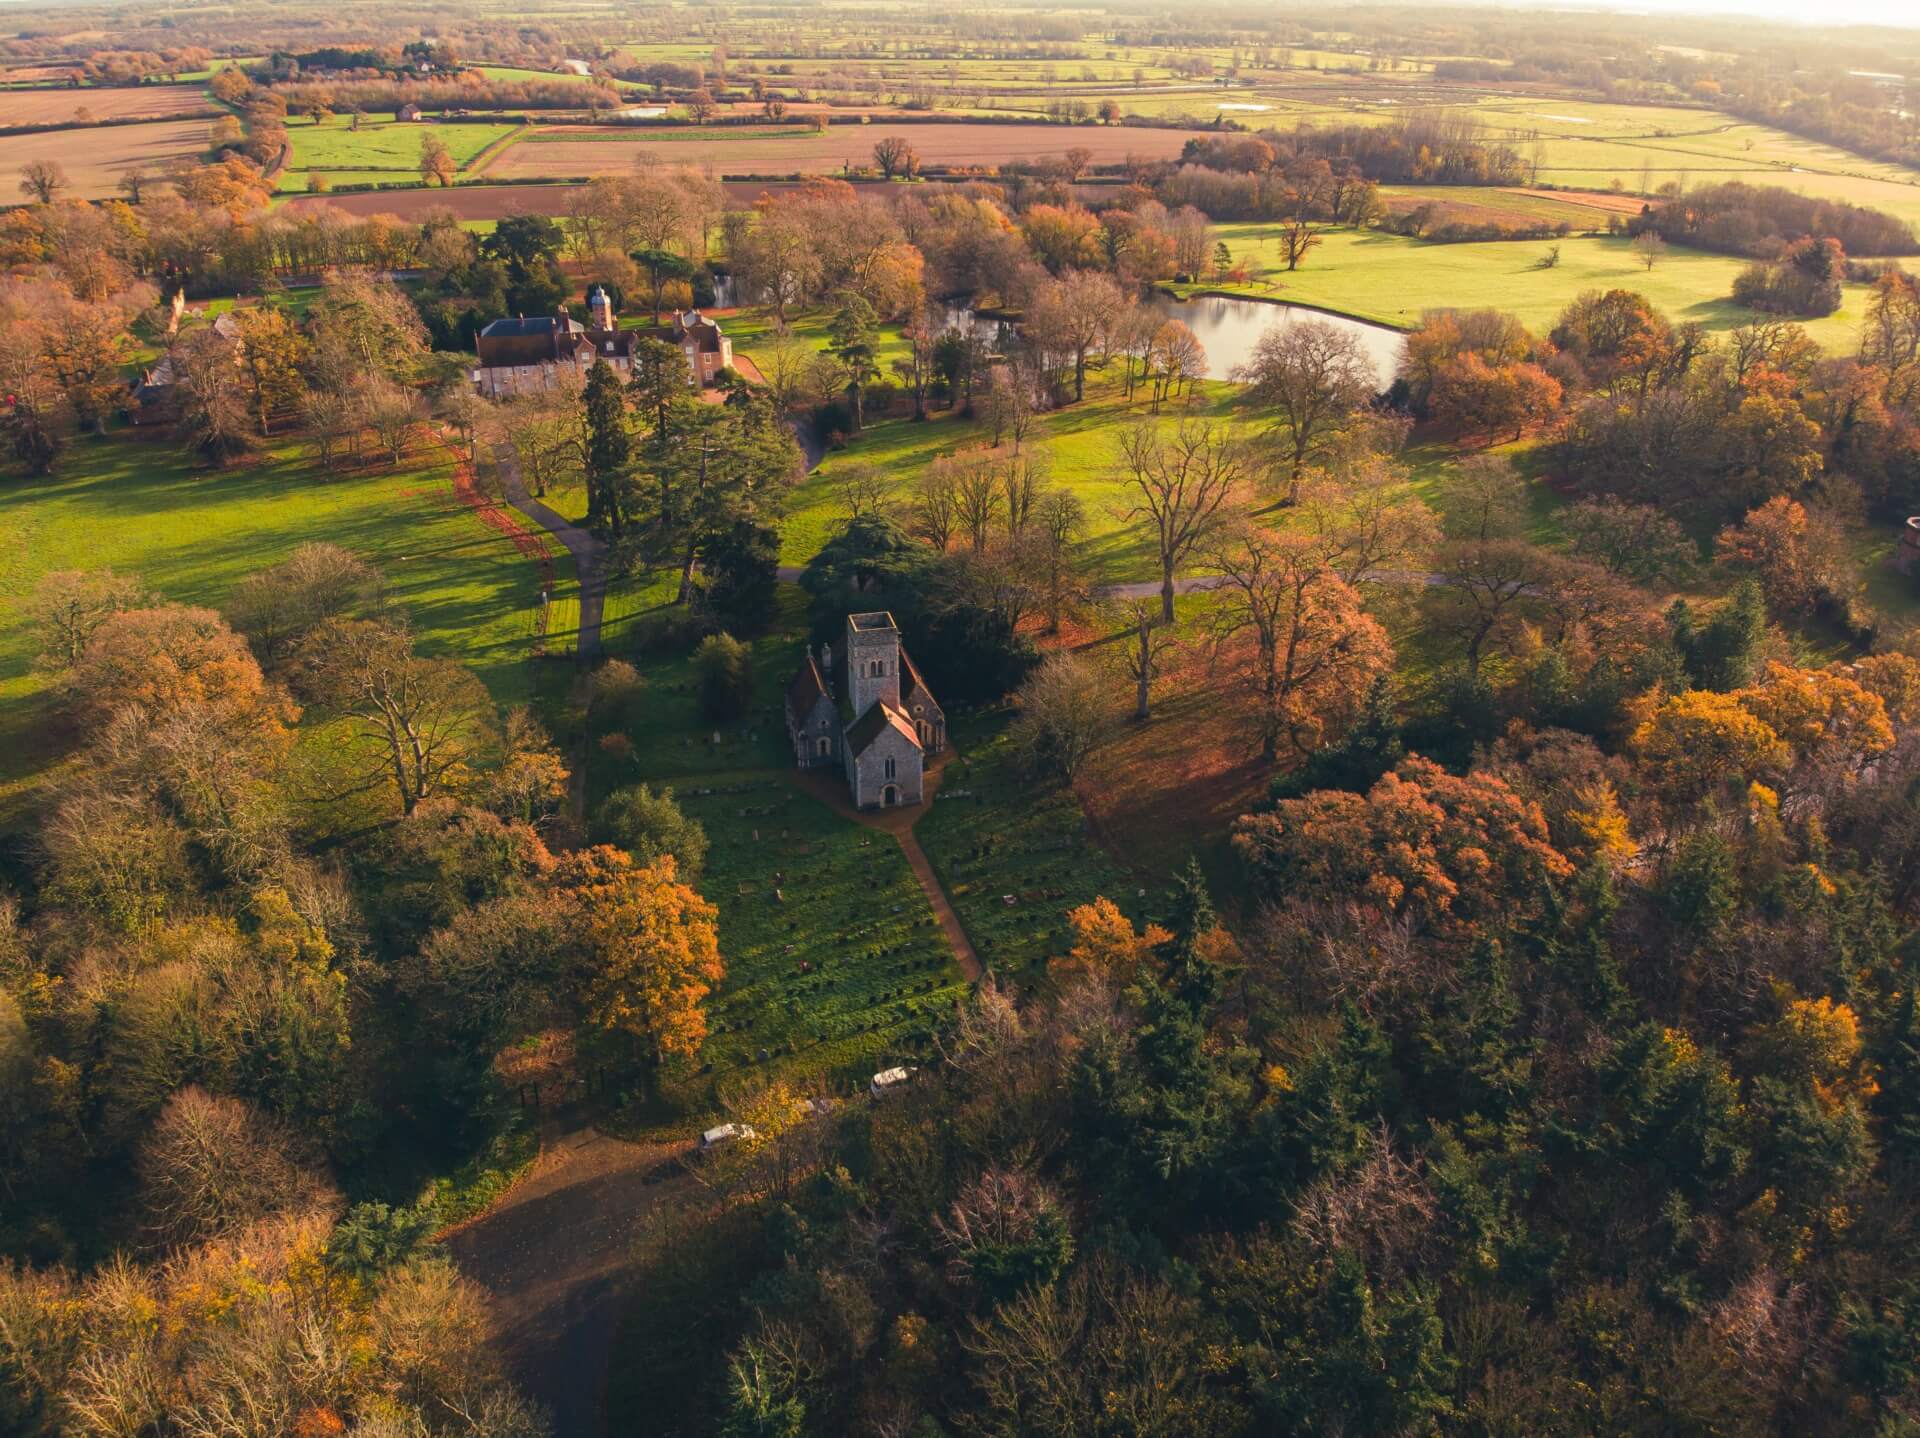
[653, 953]
[1295, 639]
[1796, 727]
[1478, 398]
[1798, 557]
[1105, 942]
[1443, 851]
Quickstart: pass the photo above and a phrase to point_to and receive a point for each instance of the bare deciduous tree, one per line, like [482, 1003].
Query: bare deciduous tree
[1066, 712]
[68, 605]
[426, 719]
[1184, 483]
[212, 1163]
[1314, 650]
[1315, 378]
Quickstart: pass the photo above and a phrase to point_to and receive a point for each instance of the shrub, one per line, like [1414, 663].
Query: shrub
[648, 824]
[725, 672]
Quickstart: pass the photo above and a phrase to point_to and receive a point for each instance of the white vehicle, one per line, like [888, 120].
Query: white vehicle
[725, 1134]
[887, 1080]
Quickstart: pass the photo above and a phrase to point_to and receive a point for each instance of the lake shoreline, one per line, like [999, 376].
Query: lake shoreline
[1174, 293]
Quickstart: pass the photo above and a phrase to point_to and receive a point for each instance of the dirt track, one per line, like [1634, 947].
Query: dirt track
[552, 1253]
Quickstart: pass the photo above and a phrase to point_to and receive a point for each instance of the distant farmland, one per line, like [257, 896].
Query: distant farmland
[55, 107]
[806, 151]
[96, 158]
[476, 203]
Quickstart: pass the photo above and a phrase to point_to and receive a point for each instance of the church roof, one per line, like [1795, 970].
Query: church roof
[875, 722]
[806, 689]
[911, 684]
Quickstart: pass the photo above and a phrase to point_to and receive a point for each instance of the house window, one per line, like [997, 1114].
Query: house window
[877, 667]
[825, 745]
[890, 773]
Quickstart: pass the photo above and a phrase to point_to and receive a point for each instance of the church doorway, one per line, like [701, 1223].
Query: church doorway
[889, 796]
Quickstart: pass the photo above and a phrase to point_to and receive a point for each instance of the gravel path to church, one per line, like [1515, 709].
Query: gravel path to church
[963, 951]
[588, 552]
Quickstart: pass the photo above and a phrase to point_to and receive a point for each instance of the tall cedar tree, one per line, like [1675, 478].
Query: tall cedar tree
[609, 448]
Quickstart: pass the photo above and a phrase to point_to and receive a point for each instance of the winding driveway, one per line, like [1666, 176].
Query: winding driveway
[589, 553]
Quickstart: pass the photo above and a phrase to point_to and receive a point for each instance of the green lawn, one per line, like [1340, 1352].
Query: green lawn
[137, 506]
[1391, 279]
[993, 835]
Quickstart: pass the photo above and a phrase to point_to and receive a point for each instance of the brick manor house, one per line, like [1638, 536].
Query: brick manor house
[862, 706]
[520, 356]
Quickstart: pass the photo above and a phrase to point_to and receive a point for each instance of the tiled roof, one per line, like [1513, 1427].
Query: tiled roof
[911, 683]
[520, 325]
[805, 690]
[875, 722]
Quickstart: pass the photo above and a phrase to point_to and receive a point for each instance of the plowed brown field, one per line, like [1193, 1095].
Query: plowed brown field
[563, 152]
[95, 159]
[52, 107]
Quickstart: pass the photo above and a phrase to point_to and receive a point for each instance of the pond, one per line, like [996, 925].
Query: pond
[1228, 328]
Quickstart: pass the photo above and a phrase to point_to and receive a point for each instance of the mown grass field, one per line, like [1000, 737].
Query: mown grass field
[139, 507]
[382, 149]
[802, 150]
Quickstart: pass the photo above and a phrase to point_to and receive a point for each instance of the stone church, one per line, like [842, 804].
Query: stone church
[861, 706]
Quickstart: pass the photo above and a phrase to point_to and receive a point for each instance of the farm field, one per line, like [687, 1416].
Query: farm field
[382, 148]
[47, 107]
[481, 205]
[588, 152]
[140, 507]
[94, 159]
[1487, 204]
[1391, 280]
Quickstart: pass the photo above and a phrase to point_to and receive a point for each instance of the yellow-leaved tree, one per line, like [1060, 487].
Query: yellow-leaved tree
[1699, 741]
[1105, 942]
[653, 952]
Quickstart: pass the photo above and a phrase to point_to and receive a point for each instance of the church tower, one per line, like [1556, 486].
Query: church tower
[873, 660]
